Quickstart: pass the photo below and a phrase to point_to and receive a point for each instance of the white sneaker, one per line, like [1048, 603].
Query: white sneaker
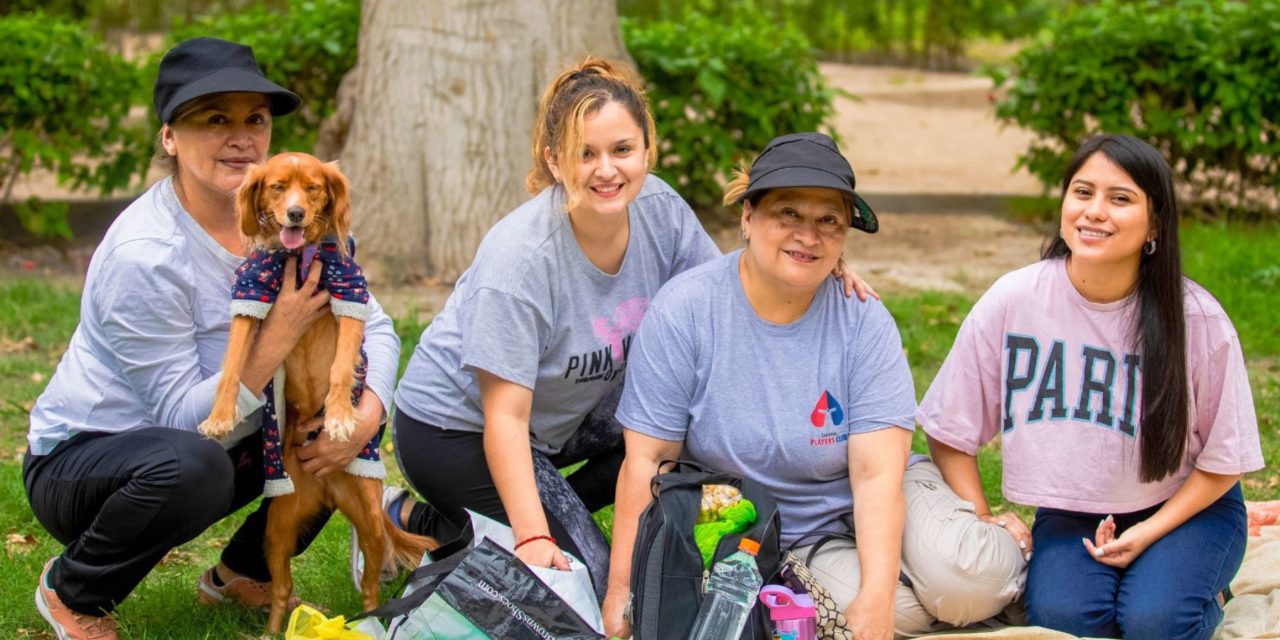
[390, 496]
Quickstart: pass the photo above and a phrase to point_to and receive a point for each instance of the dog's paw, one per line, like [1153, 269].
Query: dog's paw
[216, 429]
[340, 425]
[220, 424]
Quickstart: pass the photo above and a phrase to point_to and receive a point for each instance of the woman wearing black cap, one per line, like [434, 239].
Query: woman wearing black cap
[755, 365]
[115, 469]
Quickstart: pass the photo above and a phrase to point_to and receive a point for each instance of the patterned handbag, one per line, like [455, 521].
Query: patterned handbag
[831, 622]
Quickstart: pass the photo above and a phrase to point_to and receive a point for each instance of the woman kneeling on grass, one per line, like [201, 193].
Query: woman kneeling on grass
[1120, 394]
[115, 469]
[520, 373]
[757, 366]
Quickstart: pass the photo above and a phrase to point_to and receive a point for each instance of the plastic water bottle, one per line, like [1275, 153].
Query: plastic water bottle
[731, 592]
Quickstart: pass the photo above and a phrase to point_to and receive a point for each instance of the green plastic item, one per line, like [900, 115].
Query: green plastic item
[733, 519]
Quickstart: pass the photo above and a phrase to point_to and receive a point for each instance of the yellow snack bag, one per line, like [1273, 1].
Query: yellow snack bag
[308, 624]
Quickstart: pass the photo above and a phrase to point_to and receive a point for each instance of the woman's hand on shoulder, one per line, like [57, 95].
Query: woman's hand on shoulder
[1014, 526]
[613, 611]
[296, 308]
[852, 283]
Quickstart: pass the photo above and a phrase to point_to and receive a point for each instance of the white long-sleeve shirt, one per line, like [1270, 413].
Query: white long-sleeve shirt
[154, 321]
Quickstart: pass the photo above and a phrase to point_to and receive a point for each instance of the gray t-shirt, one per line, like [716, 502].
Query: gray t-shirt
[533, 310]
[775, 403]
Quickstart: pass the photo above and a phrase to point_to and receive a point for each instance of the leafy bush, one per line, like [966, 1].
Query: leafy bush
[64, 108]
[932, 32]
[1198, 79]
[720, 91]
[307, 49]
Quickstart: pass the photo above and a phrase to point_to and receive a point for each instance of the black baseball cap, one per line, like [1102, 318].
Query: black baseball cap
[202, 66]
[809, 160]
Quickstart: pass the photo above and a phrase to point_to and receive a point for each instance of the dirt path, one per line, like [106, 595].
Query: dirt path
[934, 133]
[914, 131]
[909, 132]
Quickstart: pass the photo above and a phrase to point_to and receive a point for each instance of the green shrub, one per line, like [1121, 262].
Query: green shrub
[720, 91]
[64, 107]
[1198, 79]
[932, 32]
[307, 49]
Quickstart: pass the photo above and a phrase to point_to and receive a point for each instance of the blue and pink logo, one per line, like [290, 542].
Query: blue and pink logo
[827, 407]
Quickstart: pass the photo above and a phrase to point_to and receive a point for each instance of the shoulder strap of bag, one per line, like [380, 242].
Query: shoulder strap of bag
[823, 537]
[680, 466]
[685, 474]
[402, 605]
[450, 556]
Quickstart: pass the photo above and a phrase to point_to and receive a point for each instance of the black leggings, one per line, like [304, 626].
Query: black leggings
[449, 469]
[121, 501]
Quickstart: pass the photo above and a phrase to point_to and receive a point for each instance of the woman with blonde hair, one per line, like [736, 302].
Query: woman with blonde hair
[519, 374]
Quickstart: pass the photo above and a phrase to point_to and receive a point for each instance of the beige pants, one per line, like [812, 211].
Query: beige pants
[963, 571]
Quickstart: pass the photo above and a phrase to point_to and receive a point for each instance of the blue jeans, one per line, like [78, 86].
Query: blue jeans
[1169, 592]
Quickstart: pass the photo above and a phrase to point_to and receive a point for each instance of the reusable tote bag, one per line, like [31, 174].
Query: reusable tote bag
[483, 591]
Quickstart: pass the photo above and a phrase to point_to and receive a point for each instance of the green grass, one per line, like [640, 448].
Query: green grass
[1236, 263]
[928, 322]
[1240, 265]
[36, 321]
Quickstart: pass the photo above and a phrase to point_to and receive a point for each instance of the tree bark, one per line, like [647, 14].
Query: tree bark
[436, 140]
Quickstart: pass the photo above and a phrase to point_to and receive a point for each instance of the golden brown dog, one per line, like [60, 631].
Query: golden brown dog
[293, 200]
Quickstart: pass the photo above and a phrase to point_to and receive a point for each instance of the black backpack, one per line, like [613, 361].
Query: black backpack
[667, 578]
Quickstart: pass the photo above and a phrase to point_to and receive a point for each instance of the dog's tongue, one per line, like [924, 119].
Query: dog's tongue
[292, 237]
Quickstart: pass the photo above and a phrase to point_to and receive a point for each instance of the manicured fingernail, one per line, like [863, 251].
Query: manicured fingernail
[1022, 544]
[1102, 521]
[1110, 518]
[1029, 556]
[1002, 523]
[1098, 552]
[1085, 541]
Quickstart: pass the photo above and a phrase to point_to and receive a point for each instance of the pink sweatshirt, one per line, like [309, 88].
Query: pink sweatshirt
[1058, 378]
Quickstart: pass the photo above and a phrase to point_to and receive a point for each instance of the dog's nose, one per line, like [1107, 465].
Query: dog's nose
[295, 214]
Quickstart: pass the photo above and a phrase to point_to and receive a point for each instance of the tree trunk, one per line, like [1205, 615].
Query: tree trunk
[445, 93]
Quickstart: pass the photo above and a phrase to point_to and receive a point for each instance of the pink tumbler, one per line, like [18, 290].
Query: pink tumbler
[790, 612]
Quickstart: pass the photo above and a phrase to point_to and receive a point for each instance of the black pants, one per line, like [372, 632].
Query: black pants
[120, 502]
[450, 471]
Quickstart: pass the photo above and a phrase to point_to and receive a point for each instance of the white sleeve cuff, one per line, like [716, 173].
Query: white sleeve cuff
[347, 308]
[252, 308]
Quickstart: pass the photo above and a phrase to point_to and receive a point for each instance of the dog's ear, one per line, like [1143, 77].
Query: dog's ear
[247, 200]
[339, 202]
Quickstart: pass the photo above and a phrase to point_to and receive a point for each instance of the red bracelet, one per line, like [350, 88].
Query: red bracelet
[533, 538]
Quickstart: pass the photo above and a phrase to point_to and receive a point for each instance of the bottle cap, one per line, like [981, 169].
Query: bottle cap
[750, 546]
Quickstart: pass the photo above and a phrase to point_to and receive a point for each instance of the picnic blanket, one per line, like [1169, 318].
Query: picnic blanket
[1254, 612]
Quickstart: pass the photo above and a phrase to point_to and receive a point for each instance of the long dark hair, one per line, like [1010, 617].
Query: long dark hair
[1160, 326]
